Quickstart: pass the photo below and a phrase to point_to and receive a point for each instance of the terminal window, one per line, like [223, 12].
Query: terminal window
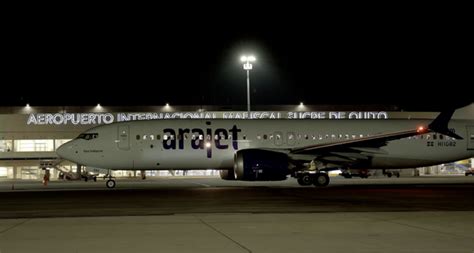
[34, 145]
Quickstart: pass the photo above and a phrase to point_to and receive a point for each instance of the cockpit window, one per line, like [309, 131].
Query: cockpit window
[88, 136]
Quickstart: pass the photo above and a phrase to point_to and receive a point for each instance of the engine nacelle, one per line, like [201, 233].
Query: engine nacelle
[260, 165]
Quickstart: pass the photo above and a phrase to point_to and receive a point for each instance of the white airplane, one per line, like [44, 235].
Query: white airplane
[264, 150]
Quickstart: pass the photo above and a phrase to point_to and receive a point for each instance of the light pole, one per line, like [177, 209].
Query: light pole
[248, 66]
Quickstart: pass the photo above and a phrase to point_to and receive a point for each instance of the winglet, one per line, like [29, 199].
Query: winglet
[440, 124]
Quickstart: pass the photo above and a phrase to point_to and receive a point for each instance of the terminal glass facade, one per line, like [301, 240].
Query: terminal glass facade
[34, 145]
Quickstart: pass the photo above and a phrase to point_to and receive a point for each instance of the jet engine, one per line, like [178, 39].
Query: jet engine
[260, 165]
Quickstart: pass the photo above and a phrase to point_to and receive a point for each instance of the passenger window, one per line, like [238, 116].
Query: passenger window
[138, 137]
[144, 137]
[264, 136]
[434, 137]
[441, 136]
[165, 137]
[152, 137]
[158, 136]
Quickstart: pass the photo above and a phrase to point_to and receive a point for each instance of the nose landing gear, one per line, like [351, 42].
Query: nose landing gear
[111, 182]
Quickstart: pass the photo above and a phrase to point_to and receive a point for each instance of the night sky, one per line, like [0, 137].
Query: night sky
[153, 61]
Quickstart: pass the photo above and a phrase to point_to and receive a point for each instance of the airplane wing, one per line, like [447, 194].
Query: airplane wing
[350, 152]
[357, 151]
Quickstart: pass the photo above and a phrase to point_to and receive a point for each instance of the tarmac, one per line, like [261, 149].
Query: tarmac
[193, 214]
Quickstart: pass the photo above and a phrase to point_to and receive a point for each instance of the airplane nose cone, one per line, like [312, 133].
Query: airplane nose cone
[65, 151]
[61, 151]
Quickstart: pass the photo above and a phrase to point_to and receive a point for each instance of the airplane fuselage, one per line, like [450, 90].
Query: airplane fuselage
[212, 144]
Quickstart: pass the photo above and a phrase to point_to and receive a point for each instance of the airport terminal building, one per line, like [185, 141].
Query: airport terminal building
[30, 135]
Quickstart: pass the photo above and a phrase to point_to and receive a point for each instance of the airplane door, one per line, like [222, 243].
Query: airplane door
[470, 137]
[123, 137]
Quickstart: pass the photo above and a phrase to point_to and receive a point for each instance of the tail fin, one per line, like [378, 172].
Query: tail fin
[440, 124]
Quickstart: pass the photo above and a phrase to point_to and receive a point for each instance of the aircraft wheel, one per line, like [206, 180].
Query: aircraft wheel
[95, 179]
[85, 179]
[110, 183]
[321, 179]
[305, 180]
[389, 174]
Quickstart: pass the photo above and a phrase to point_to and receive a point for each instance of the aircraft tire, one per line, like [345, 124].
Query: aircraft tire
[305, 180]
[321, 179]
[110, 183]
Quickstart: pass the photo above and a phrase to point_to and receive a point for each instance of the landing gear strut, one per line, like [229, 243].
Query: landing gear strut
[318, 179]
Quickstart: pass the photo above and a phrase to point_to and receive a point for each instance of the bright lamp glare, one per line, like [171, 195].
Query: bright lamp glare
[301, 104]
[251, 58]
[167, 104]
[243, 58]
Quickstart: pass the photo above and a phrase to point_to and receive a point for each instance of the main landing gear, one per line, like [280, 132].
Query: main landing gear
[391, 173]
[318, 179]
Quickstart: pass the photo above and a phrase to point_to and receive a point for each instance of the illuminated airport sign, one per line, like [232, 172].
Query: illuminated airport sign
[108, 118]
